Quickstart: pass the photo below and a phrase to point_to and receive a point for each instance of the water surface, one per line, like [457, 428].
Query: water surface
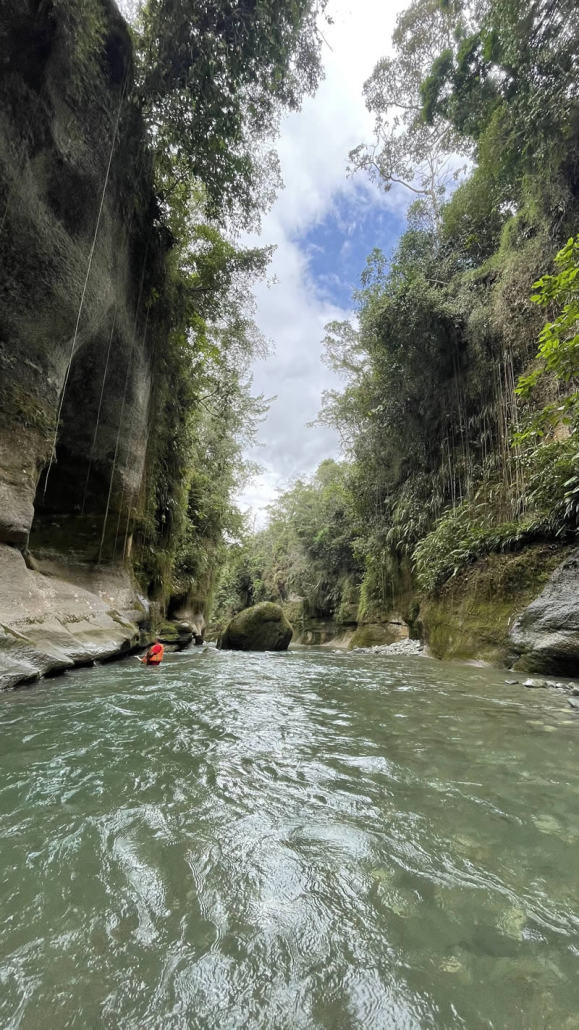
[288, 842]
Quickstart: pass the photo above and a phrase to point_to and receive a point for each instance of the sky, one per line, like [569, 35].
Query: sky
[324, 225]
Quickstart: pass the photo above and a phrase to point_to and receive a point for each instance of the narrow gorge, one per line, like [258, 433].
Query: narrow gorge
[326, 511]
[128, 335]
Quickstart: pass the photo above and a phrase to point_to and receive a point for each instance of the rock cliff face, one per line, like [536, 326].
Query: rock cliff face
[79, 257]
[546, 635]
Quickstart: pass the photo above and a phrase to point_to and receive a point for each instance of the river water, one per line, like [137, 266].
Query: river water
[288, 842]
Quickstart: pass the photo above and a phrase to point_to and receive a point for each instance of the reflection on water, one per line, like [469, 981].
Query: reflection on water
[289, 841]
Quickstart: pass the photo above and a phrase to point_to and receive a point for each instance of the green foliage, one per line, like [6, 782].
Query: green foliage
[305, 550]
[559, 343]
[473, 221]
[514, 72]
[214, 78]
[549, 509]
[204, 415]
[84, 26]
[445, 326]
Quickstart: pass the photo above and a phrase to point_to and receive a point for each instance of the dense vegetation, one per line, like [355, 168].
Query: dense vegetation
[449, 455]
[306, 551]
[209, 83]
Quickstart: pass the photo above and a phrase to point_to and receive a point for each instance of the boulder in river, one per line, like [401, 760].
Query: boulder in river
[261, 628]
[546, 635]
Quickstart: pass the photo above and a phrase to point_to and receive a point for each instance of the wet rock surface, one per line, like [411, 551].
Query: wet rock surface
[76, 344]
[176, 636]
[61, 328]
[49, 624]
[567, 687]
[546, 636]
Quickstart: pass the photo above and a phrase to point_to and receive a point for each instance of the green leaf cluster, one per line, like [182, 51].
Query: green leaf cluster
[305, 552]
[214, 77]
[558, 354]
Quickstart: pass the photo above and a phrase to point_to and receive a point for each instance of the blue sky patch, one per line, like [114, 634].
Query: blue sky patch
[338, 246]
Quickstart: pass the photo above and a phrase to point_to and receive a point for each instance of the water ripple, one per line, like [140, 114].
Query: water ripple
[288, 842]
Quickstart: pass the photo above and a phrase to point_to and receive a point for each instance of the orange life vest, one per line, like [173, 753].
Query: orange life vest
[155, 654]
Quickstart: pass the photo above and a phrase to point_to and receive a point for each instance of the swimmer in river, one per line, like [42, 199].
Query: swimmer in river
[154, 655]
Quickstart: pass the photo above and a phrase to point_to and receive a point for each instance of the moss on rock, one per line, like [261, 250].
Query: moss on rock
[374, 634]
[472, 615]
[261, 628]
[175, 636]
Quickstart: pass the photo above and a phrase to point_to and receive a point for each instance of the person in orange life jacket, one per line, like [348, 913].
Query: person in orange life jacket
[154, 655]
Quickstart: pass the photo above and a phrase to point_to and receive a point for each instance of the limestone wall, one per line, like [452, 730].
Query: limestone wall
[72, 343]
[55, 146]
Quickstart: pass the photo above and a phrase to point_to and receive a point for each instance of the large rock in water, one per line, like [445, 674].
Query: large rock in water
[546, 635]
[262, 628]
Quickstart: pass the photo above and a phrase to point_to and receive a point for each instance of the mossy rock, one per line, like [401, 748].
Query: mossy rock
[472, 615]
[376, 634]
[261, 628]
[175, 636]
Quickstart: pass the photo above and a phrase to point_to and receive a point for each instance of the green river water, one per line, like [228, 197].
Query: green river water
[288, 842]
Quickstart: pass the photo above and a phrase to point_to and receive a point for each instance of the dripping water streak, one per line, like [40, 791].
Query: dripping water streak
[84, 289]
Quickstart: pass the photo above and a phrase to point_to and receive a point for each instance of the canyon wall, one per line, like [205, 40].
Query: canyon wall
[80, 256]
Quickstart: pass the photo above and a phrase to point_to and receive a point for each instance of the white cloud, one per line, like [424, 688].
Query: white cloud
[313, 149]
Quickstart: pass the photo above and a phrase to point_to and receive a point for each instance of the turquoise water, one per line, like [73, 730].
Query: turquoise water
[305, 840]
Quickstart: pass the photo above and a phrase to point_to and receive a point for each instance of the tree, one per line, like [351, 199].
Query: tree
[306, 548]
[515, 78]
[214, 76]
[408, 150]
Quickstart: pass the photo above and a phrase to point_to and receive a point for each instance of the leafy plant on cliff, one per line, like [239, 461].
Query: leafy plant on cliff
[212, 80]
[558, 354]
[548, 511]
[204, 412]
